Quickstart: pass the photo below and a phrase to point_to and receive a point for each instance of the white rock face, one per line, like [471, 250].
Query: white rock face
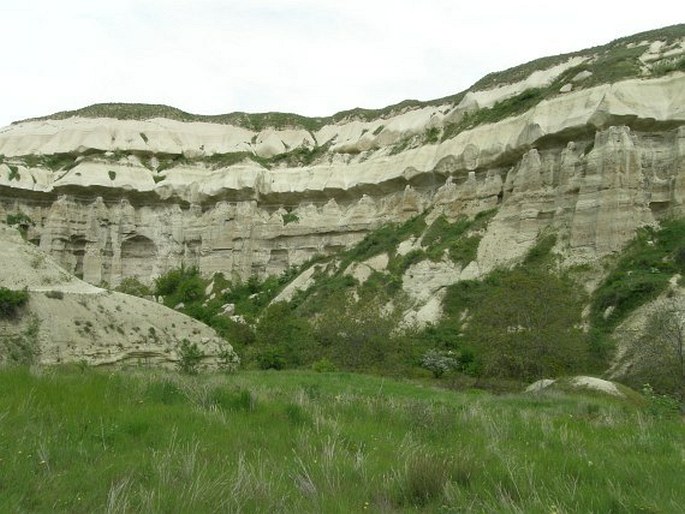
[571, 164]
[80, 322]
[540, 385]
[580, 383]
[596, 384]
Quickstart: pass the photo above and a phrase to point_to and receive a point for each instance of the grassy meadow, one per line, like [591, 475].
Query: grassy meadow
[82, 440]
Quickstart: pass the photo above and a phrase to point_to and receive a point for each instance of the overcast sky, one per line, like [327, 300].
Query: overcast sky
[312, 57]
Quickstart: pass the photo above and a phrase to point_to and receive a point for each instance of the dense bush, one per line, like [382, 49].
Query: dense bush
[11, 301]
[285, 339]
[439, 362]
[189, 356]
[180, 285]
[133, 286]
[526, 326]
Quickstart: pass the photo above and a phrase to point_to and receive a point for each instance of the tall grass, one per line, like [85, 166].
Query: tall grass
[76, 440]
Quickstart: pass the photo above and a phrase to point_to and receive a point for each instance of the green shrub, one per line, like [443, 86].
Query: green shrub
[526, 326]
[112, 174]
[541, 251]
[324, 365]
[134, 287]
[181, 285]
[439, 362]
[19, 219]
[22, 222]
[21, 348]
[290, 217]
[401, 263]
[641, 273]
[460, 238]
[283, 339]
[55, 295]
[432, 135]
[501, 110]
[271, 358]
[661, 405]
[11, 301]
[384, 240]
[14, 173]
[190, 357]
[668, 65]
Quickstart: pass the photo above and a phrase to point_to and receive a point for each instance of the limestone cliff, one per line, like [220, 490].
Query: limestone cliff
[552, 146]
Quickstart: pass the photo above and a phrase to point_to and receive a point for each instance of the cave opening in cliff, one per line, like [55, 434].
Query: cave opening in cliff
[138, 255]
[77, 248]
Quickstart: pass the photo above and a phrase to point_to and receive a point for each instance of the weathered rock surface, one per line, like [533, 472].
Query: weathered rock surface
[578, 383]
[597, 186]
[633, 334]
[80, 322]
[115, 198]
[110, 199]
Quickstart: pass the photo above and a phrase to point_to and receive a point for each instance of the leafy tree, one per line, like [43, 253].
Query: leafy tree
[663, 347]
[526, 326]
[360, 335]
[180, 285]
[284, 339]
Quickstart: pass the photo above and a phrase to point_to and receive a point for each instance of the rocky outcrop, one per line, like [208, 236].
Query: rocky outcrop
[67, 320]
[582, 384]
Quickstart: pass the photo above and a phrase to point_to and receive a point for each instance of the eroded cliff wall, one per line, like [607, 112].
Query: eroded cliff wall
[111, 199]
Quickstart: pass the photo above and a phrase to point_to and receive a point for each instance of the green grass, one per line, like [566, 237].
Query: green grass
[384, 239]
[77, 440]
[641, 273]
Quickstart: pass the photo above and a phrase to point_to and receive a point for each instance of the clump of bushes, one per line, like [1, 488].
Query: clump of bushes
[11, 301]
[134, 287]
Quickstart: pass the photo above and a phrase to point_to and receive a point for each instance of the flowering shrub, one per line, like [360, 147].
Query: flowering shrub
[440, 362]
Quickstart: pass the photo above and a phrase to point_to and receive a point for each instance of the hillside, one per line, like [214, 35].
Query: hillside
[424, 226]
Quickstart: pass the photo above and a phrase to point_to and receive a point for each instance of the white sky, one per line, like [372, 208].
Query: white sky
[312, 57]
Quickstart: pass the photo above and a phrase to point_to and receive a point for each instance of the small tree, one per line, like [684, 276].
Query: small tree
[189, 357]
[663, 348]
[525, 326]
